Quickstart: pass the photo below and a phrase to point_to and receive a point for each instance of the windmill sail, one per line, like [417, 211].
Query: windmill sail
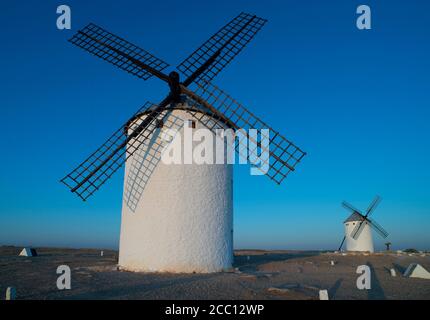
[217, 52]
[91, 174]
[346, 205]
[358, 229]
[145, 160]
[377, 227]
[117, 51]
[199, 68]
[283, 154]
[355, 234]
[373, 205]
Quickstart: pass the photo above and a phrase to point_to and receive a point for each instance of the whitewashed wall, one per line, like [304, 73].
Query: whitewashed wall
[183, 221]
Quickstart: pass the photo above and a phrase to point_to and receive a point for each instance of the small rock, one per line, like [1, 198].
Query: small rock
[267, 275]
[10, 293]
[284, 289]
[393, 272]
[248, 276]
[305, 286]
[278, 290]
[323, 295]
[332, 263]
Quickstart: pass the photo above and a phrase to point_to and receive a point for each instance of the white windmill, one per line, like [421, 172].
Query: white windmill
[358, 234]
[177, 218]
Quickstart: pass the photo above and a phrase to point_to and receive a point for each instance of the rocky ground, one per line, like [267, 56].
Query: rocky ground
[256, 275]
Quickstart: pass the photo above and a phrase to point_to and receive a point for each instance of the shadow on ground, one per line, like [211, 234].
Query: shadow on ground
[251, 262]
[376, 292]
[333, 290]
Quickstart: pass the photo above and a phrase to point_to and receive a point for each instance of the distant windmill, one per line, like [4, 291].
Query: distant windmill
[184, 222]
[358, 235]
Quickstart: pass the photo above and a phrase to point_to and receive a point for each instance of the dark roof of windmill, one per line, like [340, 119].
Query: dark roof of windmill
[354, 217]
[185, 104]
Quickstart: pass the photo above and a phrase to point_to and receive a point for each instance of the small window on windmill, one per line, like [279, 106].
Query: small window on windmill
[159, 124]
[347, 224]
[353, 223]
[191, 124]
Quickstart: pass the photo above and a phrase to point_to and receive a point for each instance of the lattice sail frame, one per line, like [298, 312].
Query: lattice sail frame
[284, 155]
[108, 151]
[378, 228]
[94, 39]
[213, 55]
[355, 234]
[366, 220]
[144, 161]
[231, 39]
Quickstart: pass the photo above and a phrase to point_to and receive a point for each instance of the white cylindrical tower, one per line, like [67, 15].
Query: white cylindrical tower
[364, 241]
[176, 217]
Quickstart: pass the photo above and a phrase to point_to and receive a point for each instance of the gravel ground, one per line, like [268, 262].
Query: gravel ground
[256, 275]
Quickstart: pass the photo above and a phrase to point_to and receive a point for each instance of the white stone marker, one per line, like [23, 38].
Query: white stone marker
[101, 253]
[323, 295]
[393, 272]
[415, 270]
[28, 252]
[10, 293]
[332, 263]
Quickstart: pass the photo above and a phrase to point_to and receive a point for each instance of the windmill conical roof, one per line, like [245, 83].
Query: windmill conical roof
[354, 217]
[185, 104]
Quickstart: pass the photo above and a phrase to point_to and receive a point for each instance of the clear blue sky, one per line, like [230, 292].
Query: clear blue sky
[356, 101]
